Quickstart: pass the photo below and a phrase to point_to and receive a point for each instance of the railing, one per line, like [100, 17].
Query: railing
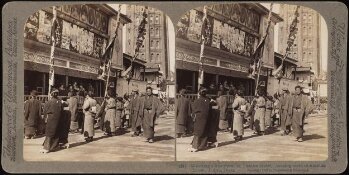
[230, 98]
[44, 98]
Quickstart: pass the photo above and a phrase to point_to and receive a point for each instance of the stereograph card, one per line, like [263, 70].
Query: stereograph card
[174, 87]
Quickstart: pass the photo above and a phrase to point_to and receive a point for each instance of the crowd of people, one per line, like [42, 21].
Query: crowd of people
[79, 112]
[205, 117]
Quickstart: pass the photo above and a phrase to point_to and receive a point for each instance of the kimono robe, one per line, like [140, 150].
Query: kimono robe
[298, 106]
[259, 115]
[182, 114]
[201, 109]
[110, 116]
[268, 110]
[285, 116]
[213, 122]
[135, 118]
[64, 124]
[222, 103]
[53, 112]
[149, 115]
[238, 122]
[127, 112]
[32, 116]
[73, 106]
[87, 107]
[118, 115]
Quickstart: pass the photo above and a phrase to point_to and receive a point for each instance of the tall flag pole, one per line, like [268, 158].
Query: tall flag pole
[53, 39]
[278, 74]
[128, 73]
[257, 62]
[204, 30]
[106, 61]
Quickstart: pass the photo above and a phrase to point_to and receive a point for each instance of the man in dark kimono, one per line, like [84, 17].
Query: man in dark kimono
[212, 124]
[73, 105]
[200, 112]
[64, 124]
[298, 104]
[182, 114]
[32, 115]
[53, 111]
[284, 105]
[135, 118]
[149, 110]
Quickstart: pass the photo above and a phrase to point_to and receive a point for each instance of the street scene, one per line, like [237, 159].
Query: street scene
[99, 84]
[251, 83]
[270, 147]
[117, 148]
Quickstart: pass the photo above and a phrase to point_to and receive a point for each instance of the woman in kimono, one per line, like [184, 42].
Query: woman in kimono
[276, 110]
[53, 112]
[201, 109]
[239, 108]
[110, 114]
[259, 116]
[126, 123]
[90, 109]
[118, 117]
[268, 109]
[73, 105]
[222, 103]
[32, 116]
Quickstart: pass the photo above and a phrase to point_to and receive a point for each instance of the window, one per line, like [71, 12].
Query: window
[157, 19]
[151, 57]
[158, 57]
[151, 31]
[151, 19]
[157, 33]
[157, 45]
[151, 44]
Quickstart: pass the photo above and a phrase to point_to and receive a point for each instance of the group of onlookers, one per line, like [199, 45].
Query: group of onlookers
[81, 113]
[206, 116]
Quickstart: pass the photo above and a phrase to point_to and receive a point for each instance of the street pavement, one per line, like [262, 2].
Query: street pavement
[270, 147]
[116, 148]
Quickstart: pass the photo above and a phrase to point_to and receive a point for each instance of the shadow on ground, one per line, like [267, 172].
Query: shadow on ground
[312, 137]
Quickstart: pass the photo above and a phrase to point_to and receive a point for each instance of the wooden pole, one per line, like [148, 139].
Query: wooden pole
[203, 40]
[51, 70]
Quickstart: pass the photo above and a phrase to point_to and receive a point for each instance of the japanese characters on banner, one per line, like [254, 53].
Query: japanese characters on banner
[182, 26]
[223, 36]
[45, 26]
[32, 26]
[70, 36]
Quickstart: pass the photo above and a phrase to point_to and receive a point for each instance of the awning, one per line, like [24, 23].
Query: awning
[59, 70]
[210, 69]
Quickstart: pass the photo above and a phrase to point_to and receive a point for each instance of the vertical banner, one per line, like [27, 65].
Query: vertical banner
[52, 72]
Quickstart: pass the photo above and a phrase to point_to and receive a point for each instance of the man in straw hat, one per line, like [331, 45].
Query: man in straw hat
[53, 111]
[135, 118]
[298, 105]
[201, 109]
[284, 111]
[149, 110]
[32, 115]
[182, 113]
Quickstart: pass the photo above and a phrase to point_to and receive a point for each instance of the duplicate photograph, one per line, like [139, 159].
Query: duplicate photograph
[251, 83]
[99, 84]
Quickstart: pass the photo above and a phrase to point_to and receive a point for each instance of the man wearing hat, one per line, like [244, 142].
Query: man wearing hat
[284, 111]
[135, 118]
[32, 115]
[182, 113]
[53, 111]
[149, 110]
[297, 109]
[201, 109]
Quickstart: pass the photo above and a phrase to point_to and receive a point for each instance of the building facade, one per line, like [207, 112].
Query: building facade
[82, 34]
[235, 30]
[154, 48]
[306, 49]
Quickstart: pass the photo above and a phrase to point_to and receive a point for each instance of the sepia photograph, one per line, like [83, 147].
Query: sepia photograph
[251, 83]
[99, 84]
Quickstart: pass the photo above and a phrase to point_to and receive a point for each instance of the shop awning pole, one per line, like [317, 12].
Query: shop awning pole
[53, 39]
[259, 51]
[204, 29]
